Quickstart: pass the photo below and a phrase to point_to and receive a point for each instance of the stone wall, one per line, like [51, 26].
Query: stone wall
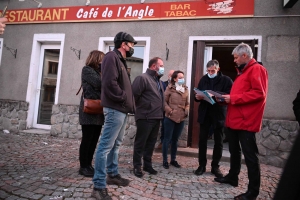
[65, 121]
[131, 131]
[274, 141]
[13, 115]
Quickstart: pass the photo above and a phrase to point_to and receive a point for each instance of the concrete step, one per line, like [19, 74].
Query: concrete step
[35, 132]
[193, 152]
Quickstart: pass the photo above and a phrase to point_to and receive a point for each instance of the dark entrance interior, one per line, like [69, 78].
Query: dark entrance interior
[221, 51]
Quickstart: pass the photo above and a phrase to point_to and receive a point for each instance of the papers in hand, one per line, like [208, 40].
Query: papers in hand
[218, 96]
[205, 96]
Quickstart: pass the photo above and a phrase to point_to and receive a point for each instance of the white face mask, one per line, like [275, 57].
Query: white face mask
[180, 81]
[161, 71]
[212, 76]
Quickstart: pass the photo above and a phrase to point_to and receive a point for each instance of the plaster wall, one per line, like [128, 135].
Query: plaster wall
[278, 27]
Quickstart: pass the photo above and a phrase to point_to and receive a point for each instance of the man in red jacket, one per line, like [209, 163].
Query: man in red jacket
[246, 104]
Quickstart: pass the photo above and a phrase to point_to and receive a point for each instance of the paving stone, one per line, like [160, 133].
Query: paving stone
[41, 167]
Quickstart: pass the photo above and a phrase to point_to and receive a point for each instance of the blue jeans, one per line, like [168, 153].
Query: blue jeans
[172, 133]
[108, 148]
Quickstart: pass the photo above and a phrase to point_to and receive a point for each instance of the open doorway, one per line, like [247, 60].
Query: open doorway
[201, 51]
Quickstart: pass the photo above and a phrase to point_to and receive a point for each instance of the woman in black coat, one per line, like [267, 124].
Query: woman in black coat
[91, 124]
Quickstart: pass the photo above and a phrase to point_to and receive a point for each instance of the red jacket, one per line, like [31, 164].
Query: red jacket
[248, 98]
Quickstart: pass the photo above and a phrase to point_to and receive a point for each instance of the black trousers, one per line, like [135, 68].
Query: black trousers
[246, 140]
[144, 143]
[218, 146]
[89, 140]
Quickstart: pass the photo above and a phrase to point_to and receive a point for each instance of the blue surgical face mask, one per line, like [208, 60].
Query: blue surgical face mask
[212, 76]
[180, 81]
[161, 71]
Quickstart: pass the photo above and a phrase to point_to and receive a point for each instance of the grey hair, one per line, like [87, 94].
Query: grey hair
[243, 49]
[212, 63]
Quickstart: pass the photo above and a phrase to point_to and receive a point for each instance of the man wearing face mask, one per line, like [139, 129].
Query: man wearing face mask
[246, 103]
[149, 99]
[211, 116]
[117, 100]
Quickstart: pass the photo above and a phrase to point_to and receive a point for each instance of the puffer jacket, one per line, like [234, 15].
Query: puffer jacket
[177, 104]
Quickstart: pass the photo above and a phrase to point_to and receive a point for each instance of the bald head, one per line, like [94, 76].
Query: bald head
[170, 73]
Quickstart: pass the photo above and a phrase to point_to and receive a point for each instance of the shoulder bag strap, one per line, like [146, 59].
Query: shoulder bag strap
[79, 90]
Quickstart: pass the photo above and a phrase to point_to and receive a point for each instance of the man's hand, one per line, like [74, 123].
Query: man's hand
[2, 25]
[226, 98]
[198, 97]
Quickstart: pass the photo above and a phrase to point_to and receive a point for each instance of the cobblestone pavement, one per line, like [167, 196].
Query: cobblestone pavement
[44, 167]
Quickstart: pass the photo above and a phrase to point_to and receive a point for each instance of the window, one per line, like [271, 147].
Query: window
[53, 67]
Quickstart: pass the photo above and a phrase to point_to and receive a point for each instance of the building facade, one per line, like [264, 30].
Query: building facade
[45, 45]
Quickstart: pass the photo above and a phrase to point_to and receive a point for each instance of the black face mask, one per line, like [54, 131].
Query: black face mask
[130, 52]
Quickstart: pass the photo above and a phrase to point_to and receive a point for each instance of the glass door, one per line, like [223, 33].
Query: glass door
[46, 86]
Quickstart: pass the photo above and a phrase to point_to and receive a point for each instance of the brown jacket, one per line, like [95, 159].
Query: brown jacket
[177, 104]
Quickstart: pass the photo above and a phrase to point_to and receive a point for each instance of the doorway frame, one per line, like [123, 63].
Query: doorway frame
[1, 48]
[38, 41]
[203, 39]
[104, 43]
[217, 38]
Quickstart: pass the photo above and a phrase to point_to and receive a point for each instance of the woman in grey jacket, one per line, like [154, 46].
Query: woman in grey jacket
[91, 124]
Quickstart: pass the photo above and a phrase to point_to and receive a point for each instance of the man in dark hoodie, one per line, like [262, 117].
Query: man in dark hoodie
[117, 101]
[149, 98]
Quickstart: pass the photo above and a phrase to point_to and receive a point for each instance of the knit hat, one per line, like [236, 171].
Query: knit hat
[124, 37]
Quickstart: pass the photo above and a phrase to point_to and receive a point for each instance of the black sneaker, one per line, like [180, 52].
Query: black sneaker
[200, 171]
[175, 164]
[216, 171]
[166, 165]
[92, 168]
[101, 194]
[117, 180]
[86, 171]
[150, 170]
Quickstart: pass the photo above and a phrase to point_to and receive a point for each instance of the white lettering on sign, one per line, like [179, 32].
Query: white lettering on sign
[92, 13]
[137, 13]
[222, 7]
[107, 13]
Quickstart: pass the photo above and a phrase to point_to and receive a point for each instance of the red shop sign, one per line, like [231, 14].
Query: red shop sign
[132, 12]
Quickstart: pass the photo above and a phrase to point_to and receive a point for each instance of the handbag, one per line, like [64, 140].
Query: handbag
[91, 106]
